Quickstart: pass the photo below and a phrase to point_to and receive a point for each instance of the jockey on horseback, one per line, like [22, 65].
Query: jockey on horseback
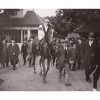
[44, 49]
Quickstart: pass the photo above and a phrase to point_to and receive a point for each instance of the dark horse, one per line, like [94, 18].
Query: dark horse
[45, 52]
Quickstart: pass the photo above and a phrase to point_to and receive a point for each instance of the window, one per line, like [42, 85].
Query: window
[11, 34]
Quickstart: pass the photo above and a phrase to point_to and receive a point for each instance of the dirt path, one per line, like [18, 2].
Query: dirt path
[23, 79]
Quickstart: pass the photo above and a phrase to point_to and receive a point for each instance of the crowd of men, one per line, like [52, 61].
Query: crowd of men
[9, 53]
[78, 54]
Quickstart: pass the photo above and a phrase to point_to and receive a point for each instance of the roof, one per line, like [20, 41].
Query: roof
[94, 27]
[30, 19]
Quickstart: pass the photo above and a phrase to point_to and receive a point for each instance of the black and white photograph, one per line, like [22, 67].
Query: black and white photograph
[49, 49]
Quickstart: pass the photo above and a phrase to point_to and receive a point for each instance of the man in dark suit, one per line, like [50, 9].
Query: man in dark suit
[89, 52]
[14, 51]
[96, 74]
[79, 54]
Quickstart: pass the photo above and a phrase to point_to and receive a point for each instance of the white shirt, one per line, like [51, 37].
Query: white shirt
[90, 43]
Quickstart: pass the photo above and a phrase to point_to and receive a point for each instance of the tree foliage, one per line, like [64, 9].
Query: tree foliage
[68, 19]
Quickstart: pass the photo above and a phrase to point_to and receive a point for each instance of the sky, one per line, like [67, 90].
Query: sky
[45, 12]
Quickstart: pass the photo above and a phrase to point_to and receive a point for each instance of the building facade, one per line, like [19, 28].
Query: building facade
[21, 27]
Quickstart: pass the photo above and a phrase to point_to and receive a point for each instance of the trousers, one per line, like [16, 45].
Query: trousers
[96, 76]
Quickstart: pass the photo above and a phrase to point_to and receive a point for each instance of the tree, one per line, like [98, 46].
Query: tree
[68, 19]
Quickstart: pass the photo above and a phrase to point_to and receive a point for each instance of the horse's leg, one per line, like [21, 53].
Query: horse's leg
[40, 62]
[53, 60]
[48, 66]
[43, 64]
[29, 62]
[60, 72]
[34, 59]
[64, 71]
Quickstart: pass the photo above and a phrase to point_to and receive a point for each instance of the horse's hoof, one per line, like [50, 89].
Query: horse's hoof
[67, 84]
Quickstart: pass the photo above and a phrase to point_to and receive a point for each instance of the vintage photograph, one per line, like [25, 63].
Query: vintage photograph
[49, 49]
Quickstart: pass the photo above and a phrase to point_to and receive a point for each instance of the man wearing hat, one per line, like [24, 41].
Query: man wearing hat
[96, 73]
[89, 51]
[14, 51]
[79, 53]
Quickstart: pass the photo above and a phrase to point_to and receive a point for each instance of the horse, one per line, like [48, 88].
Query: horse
[45, 53]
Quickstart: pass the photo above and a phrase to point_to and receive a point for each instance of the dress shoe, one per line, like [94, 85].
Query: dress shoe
[94, 89]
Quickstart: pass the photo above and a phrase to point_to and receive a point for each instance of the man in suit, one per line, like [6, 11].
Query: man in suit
[96, 74]
[79, 54]
[89, 52]
[14, 51]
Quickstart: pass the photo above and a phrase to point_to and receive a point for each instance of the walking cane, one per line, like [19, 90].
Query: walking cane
[18, 61]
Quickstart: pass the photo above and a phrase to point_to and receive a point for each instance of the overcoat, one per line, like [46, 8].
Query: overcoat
[4, 54]
[97, 52]
[89, 53]
[79, 48]
[13, 52]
